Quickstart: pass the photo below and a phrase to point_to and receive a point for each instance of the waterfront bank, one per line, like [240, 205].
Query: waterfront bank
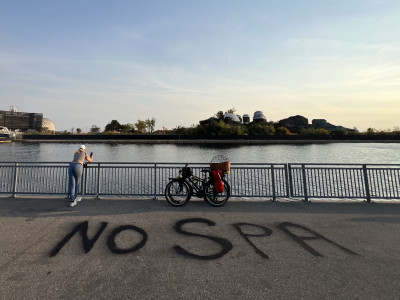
[223, 139]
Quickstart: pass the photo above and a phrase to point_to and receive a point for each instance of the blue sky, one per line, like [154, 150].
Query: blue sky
[84, 63]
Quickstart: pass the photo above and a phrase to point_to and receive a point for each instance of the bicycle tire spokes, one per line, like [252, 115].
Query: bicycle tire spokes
[177, 192]
[214, 198]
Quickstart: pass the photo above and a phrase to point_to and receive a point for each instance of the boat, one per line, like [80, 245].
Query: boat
[5, 134]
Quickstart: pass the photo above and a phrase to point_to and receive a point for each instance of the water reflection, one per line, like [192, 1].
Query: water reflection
[203, 153]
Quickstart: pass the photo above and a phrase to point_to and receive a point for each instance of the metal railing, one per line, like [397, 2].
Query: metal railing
[353, 181]
[364, 181]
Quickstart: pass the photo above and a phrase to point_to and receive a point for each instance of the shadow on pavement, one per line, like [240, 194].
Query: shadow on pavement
[36, 207]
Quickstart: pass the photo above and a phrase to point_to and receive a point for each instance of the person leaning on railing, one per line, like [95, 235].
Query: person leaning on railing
[75, 173]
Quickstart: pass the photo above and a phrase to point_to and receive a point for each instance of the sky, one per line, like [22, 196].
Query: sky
[84, 63]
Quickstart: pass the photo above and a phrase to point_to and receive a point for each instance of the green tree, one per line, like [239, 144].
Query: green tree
[261, 128]
[231, 111]
[114, 125]
[281, 130]
[315, 131]
[150, 124]
[184, 130]
[141, 126]
[219, 115]
[127, 128]
[78, 130]
[371, 131]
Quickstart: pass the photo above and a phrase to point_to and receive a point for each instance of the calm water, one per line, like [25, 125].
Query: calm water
[376, 153]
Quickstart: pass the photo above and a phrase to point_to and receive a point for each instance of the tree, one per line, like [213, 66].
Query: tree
[220, 115]
[78, 130]
[281, 130]
[114, 125]
[127, 127]
[231, 110]
[261, 128]
[141, 126]
[150, 124]
[371, 131]
[315, 131]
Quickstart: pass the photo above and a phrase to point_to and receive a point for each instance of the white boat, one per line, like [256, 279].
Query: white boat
[5, 134]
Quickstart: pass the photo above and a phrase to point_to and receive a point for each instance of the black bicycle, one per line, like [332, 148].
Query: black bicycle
[180, 189]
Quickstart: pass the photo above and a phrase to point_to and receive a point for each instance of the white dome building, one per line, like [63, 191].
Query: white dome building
[246, 119]
[259, 116]
[231, 117]
[48, 124]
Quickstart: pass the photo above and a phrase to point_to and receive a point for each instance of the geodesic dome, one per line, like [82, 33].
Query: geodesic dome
[232, 117]
[47, 123]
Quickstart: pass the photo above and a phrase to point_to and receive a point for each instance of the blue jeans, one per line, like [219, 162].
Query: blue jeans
[75, 174]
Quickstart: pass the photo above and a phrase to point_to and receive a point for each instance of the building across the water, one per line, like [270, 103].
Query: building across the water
[15, 120]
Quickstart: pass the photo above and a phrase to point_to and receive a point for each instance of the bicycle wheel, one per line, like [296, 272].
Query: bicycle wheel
[216, 199]
[177, 192]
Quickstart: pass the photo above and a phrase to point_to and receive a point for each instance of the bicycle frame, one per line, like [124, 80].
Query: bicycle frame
[196, 183]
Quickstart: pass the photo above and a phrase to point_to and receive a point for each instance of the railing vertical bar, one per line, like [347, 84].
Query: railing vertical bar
[346, 185]
[396, 186]
[291, 183]
[385, 177]
[287, 182]
[303, 168]
[273, 183]
[366, 183]
[98, 182]
[254, 187]
[375, 185]
[15, 180]
[391, 183]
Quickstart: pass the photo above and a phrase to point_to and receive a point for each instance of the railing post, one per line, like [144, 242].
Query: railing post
[98, 181]
[155, 182]
[287, 181]
[291, 180]
[303, 169]
[84, 182]
[366, 183]
[15, 181]
[273, 183]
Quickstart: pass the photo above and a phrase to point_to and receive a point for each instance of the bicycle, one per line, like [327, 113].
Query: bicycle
[180, 189]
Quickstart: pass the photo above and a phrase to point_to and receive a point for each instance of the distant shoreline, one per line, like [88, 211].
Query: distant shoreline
[185, 139]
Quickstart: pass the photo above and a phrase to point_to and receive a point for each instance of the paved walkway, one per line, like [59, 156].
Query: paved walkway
[146, 249]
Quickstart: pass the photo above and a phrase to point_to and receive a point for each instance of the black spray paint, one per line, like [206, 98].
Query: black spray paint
[267, 232]
[316, 236]
[86, 242]
[224, 243]
[113, 246]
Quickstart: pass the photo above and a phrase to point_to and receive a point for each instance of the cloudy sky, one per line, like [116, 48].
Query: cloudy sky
[84, 63]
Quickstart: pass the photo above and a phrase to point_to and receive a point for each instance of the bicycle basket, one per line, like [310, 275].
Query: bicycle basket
[220, 162]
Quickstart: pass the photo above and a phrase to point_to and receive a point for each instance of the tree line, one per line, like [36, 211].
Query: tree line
[218, 125]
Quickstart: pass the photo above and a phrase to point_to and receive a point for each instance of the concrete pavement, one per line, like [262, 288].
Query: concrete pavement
[146, 249]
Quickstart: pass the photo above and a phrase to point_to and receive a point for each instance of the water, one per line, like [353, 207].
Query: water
[369, 153]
